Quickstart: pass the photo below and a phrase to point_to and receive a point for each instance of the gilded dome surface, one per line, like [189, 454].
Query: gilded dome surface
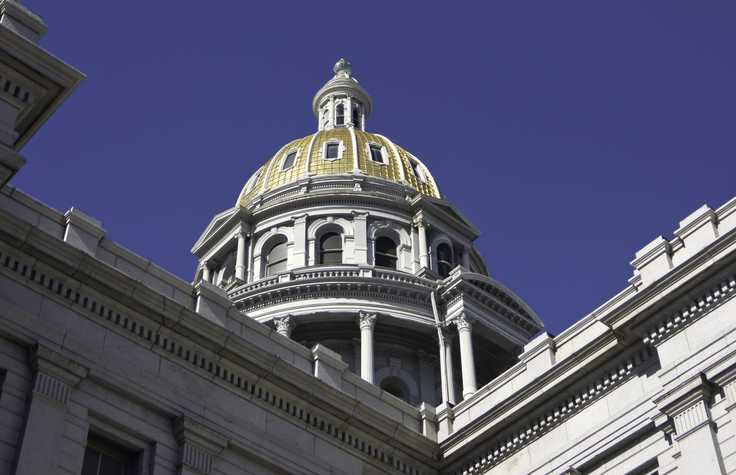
[357, 152]
[341, 146]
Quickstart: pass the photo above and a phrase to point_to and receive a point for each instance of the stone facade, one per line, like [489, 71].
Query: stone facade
[106, 360]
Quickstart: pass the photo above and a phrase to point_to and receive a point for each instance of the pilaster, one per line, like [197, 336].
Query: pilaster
[687, 406]
[55, 376]
[198, 446]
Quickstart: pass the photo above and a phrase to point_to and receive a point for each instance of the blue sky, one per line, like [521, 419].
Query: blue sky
[571, 133]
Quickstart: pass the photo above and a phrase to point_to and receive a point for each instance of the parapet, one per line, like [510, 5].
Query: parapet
[695, 233]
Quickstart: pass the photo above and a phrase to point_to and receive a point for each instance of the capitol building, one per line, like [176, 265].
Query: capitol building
[340, 321]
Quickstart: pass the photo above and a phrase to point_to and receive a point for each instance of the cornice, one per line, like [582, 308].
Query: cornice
[221, 356]
[511, 439]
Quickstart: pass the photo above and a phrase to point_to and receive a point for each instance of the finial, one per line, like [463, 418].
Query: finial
[343, 67]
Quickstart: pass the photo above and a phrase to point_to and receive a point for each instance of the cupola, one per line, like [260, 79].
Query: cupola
[342, 102]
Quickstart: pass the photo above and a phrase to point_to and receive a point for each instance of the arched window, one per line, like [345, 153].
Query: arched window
[385, 255]
[330, 249]
[356, 118]
[340, 115]
[444, 259]
[276, 258]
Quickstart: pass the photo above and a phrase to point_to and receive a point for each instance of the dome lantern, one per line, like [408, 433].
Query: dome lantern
[342, 102]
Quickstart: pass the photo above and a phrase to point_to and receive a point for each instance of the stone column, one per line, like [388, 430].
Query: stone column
[198, 446]
[240, 258]
[448, 371]
[427, 363]
[349, 111]
[39, 449]
[423, 254]
[464, 329]
[251, 258]
[206, 272]
[466, 257]
[367, 322]
[284, 325]
[687, 406]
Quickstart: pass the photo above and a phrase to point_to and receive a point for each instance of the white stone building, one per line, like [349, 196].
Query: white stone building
[340, 321]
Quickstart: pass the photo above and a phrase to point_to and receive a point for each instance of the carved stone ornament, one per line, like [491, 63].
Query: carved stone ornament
[284, 325]
[366, 320]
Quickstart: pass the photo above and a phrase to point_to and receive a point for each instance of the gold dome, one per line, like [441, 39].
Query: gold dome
[376, 156]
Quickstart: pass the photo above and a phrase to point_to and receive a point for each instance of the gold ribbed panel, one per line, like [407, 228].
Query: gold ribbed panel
[428, 188]
[279, 177]
[390, 171]
[244, 199]
[319, 166]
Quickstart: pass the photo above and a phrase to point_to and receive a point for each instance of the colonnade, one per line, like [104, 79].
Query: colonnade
[367, 322]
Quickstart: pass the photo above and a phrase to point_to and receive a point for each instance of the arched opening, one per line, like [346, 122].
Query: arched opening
[330, 249]
[444, 260]
[276, 258]
[395, 386]
[394, 390]
[340, 115]
[385, 252]
[356, 118]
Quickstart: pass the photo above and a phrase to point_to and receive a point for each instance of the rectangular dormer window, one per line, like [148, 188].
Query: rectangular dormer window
[417, 171]
[376, 154]
[289, 160]
[332, 151]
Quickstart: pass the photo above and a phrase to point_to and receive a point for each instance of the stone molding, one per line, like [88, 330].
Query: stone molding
[512, 441]
[692, 310]
[190, 356]
[687, 405]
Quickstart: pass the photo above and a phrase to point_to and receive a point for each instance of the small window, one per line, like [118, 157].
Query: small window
[332, 150]
[276, 259]
[417, 171]
[376, 153]
[330, 249]
[356, 118]
[444, 260]
[340, 115]
[289, 160]
[102, 457]
[385, 254]
[253, 180]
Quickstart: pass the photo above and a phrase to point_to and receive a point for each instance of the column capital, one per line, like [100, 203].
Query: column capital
[464, 322]
[284, 325]
[302, 218]
[425, 359]
[367, 320]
